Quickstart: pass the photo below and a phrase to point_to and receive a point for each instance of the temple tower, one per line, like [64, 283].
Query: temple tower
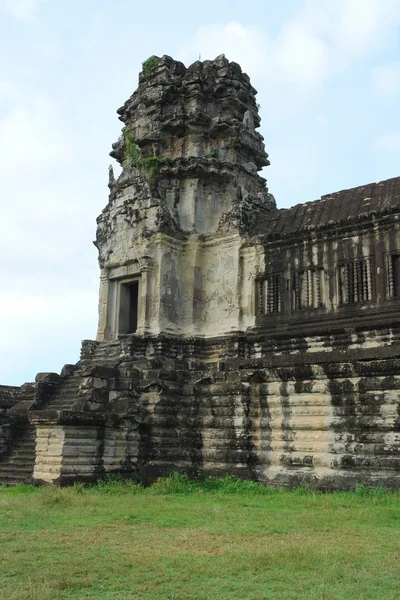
[173, 229]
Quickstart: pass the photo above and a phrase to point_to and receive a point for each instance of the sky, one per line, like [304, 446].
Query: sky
[328, 77]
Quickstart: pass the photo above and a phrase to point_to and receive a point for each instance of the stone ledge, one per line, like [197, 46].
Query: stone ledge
[66, 417]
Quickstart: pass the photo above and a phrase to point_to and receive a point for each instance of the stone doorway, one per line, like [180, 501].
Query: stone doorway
[128, 306]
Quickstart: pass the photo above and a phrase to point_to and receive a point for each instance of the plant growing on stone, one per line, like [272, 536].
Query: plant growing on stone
[149, 165]
[132, 149]
[150, 64]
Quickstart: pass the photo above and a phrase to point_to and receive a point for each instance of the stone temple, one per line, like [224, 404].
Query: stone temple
[234, 337]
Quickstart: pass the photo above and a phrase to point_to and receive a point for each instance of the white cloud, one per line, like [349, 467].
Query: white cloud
[301, 54]
[320, 39]
[47, 221]
[324, 37]
[386, 79]
[22, 9]
[363, 25]
[389, 142]
[245, 44]
[321, 119]
[30, 131]
[52, 323]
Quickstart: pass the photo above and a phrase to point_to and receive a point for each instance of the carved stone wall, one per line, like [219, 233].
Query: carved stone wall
[233, 337]
[233, 405]
[332, 265]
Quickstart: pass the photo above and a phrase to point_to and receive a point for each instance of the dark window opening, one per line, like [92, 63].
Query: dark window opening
[128, 306]
[307, 289]
[270, 295]
[393, 275]
[133, 306]
[355, 282]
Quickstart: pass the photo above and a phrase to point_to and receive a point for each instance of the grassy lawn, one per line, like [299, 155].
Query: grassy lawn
[219, 539]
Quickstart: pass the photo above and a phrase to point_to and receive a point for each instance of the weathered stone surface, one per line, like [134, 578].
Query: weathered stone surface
[47, 378]
[190, 154]
[9, 395]
[233, 336]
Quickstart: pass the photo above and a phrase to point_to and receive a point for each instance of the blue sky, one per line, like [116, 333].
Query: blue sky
[328, 76]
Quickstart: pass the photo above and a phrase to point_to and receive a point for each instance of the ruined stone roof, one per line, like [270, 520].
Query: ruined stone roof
[333, 209]
[9, 396]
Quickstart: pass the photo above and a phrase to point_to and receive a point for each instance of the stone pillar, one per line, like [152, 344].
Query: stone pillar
[191, 277]
[145, 293]
[103, 302]
[69, 445]
[251, 266]
[49, 452]
[77, 445]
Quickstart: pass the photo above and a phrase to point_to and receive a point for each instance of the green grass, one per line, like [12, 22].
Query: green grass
[213, 539]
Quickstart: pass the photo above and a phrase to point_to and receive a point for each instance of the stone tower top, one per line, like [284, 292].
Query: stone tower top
[208, 107]
[192, 133]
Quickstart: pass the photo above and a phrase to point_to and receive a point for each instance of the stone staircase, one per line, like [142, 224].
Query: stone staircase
[114, 352]
[106, 353]
[17, 466]
[66, 394]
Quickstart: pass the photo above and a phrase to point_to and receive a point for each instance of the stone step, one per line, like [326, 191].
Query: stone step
[66, 387]
[23, 453]
[62, 397]
[18, 465]
[61, 407]
[66, 394]
[64, 400]
[9, 481]
[66, 391]
[102, 357]
[16, 474]
[18, 455]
